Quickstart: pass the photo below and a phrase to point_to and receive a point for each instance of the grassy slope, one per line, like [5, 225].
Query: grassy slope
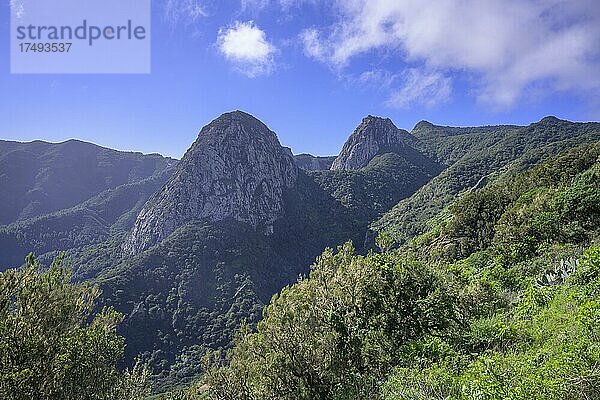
[512, 147]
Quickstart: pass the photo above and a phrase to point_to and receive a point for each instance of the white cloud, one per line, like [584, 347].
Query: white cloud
[258, 5]
[419, 87]
[506, 45]
[246, 46]
[312, 44]
[376, 78]
[411, 87]
[17, 8]
[184, 11]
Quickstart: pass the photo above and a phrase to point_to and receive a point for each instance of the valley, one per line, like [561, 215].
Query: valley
[190, 250]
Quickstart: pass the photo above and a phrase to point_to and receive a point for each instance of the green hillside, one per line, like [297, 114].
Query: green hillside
[479, 154]
[190, 293]
[39, 177]
[498, 301]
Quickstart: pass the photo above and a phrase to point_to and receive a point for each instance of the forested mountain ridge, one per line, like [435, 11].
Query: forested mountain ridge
[40, 177]
[254, 217]
[96, 220]
[66, 196]
[224, 265]
[498, 301]
[447, 144]
[474, 155]
[463, 150]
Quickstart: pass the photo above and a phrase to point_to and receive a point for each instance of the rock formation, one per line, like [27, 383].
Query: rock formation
[308, 162]
[236, 169]
[374, 135]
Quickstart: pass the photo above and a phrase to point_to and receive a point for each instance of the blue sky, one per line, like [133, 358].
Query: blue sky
[312, 69]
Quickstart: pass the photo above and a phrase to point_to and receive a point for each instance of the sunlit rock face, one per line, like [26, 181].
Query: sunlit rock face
[236, 169]
[373, 136]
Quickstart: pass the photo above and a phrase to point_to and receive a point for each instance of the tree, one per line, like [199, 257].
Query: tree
[337, 334]
[52, 346]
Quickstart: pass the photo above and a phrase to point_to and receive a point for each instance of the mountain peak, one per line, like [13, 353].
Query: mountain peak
[550, 119]
[238, 115]
[231, 123]
[236, 169]
[373, 120]
[372, 136]
[422, 125]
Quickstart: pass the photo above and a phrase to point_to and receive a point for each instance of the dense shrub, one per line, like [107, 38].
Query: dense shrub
[53, 346]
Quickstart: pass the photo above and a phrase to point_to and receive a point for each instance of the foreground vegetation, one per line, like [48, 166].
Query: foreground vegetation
[499, 301]
[52, 345]
[189, 294]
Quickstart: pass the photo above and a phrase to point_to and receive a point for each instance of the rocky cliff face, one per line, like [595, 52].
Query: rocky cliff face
[373, 136]
[235, 169]
[308, 162]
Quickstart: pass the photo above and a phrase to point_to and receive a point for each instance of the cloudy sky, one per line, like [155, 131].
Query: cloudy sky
[311, 69]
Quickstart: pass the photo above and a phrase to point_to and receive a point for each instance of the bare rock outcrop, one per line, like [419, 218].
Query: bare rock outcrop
[236, 169]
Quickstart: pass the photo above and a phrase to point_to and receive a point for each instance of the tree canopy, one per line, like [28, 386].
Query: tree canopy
[52, 343]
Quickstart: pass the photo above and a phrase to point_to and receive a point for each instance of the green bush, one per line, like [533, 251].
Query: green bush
[52, 344]
[338, 333]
